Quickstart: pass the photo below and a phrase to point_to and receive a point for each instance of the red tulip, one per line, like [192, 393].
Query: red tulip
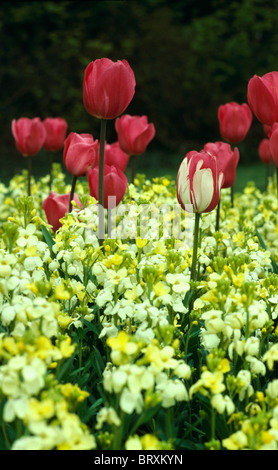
[56, 206]
[114, 155]
[262, 95]
[29, 135]
[80, 153]
[134, 133]
[273, 142]
[115, 184]
[199, 182]
[56, 129]
[108, 88]
[227, 160]
[264, 151]
[235, 121]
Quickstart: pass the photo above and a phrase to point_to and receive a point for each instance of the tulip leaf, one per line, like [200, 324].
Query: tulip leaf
[48, 239]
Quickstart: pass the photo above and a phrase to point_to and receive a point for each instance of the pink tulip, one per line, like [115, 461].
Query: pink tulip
[273, 142]
[234, 121]
[108, 88]
[265, 152]
[56, 129]
[262, 95]
[199, 182]
[227, 160]
[56, 206]
[80, 153]
[29, 135]
[114, 155]
[115, 184]
[134, 133]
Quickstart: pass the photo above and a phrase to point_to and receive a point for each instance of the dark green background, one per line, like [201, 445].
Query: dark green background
[188, 57]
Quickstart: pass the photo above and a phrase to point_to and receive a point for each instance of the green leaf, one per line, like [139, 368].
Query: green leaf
[48, 239]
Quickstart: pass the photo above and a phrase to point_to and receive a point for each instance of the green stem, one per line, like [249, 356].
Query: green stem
[73, 184]
[50, 171]
[195, 246]
[277, 180]
[103, 123]
[133, 162]
[29, 175]
[232, 196]
[217, 225]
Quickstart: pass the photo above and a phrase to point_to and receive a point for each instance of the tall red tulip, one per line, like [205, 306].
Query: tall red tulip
[227, 160]
[29, 135]
[56, 206]
[265, 151]
[108, 88]
[234, 121]
[56, 129]
[115, 184]
[262, 95]
[80, 153]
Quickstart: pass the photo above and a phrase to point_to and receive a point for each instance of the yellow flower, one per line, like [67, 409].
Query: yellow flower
[66, 348]
[64, 321]
[140, 243]
[160, 289]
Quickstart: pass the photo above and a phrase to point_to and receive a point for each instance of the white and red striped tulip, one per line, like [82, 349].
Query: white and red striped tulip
[199, 182]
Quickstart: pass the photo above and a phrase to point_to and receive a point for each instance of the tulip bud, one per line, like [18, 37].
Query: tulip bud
[265, 152]
[56, 129]
[56, 206]
[29, 135]
[262, 95]
[227, 160]
[199, 182]
[115, 184]
[134, 133]
[80, 153]
[108, 88]
[235, 121]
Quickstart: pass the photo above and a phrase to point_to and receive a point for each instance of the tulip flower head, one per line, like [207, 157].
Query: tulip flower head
[108, 88]
[115, 184]
[234, 121]
[262, 95]
[134, 133]
[227, 160]
[273, 142]
[56, 206]
[29, 135]
[80, 153]
[199, 182]
[265, 151]
[114, 155]
[56, 129]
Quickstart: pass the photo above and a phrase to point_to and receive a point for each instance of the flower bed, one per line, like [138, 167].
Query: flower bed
[99, 348]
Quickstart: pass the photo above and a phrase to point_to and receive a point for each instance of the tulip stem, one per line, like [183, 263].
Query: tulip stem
[195, 247]
[277, 180]
[29, 174]
[217, 225]
[50, 171]
[103, 123]
[73, 184]
[133, 158]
